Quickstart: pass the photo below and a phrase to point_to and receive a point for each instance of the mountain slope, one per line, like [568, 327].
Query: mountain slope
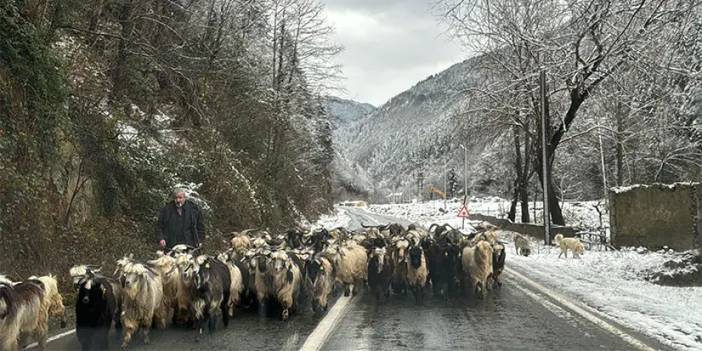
[413, 133]
[349, 179]
[344, 111]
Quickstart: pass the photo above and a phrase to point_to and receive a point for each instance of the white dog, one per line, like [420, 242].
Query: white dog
[572, 244]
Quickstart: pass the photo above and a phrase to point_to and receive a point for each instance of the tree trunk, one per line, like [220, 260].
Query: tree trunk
[524, 198]
[620, 145]
[119, 76]
[518, 171]
[513, 204]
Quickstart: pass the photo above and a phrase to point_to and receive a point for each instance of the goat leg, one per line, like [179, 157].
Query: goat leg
[129, 329]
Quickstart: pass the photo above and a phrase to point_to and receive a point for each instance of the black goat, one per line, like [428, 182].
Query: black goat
[498, 262]
[443, 262]
[96, 308]
[379, 273]
[211, 290]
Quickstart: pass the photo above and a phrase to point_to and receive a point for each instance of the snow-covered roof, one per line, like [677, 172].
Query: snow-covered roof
[623, 189]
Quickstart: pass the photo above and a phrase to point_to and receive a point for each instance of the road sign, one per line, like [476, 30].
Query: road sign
[463, 212]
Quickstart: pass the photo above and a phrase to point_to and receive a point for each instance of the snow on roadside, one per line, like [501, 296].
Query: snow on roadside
[614, 283]
[337, 219]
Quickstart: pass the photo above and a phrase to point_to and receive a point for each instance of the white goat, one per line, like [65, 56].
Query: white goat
[477, 264]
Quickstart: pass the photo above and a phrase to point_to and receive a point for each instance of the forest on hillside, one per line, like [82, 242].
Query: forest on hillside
[107, 105]
[623, 96]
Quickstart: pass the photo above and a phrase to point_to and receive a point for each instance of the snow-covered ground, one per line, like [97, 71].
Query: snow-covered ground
[334, 220]
[613, 282]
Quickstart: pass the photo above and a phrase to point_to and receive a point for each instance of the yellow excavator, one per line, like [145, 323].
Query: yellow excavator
[434, 190]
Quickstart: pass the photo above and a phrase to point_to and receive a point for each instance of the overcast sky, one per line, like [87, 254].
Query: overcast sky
[389, 45]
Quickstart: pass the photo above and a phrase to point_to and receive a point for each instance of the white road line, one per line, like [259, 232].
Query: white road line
[320, 334]
[586, 312]
[55, 337]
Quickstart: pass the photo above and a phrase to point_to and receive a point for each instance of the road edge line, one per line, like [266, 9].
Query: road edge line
[321, 332]
[53, 338]
[587, 312]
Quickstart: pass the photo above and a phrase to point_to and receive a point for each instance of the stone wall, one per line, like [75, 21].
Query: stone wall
[533, 230]
[656, 215]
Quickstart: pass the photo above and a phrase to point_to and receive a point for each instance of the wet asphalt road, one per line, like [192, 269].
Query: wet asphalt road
[247, 331]
[360, 216]
[507, 320]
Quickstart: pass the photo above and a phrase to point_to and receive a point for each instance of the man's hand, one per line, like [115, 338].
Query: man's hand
[162, 243]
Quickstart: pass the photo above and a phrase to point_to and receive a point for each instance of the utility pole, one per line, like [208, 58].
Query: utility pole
[445, 184]
[545, 125]
[465, 173]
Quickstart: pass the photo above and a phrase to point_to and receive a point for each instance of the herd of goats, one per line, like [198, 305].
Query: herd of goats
[186, 287]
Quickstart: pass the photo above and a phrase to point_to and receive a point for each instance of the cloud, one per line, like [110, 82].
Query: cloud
[389, 45]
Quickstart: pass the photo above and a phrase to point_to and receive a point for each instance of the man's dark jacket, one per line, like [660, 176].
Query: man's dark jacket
[185, 228]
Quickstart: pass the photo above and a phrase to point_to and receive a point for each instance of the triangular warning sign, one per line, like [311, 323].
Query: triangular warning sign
[463, 212]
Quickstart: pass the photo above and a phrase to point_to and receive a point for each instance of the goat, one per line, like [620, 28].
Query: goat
[442, 260]
[27, 308]
[22, 314]
[351, 267]
[477, 265]
[319, 280]
[142, 300]
[319, 240]
[183, 290]
[417, 272]
[81, 272]
[522, 245]
[242, 279]
[572, 244]
[96, 307]
[210, 289]
[294, 238]
[241, 242]
[380, 271]
[489, 236]
[285, 282]
[498, 263]
[236, 287]
[53, 301]
[399, 261]
[10, 310]
[166, 267]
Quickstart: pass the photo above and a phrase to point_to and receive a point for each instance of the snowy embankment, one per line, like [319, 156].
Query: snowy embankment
[613, 282]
